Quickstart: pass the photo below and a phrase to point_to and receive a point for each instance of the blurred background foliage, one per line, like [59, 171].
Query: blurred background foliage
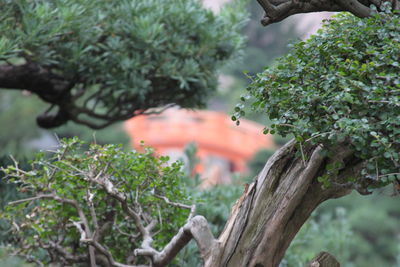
[358, 230]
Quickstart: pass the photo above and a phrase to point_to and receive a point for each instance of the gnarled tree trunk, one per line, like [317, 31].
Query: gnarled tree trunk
[267, 217]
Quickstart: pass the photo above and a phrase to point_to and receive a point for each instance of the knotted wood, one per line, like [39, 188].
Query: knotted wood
[267, 217]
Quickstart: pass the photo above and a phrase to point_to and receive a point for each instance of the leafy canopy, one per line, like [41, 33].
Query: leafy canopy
[119, 57]
[107, 185]
[342, 85]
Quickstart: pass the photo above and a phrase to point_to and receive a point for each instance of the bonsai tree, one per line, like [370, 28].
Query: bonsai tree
[98, 62]
[338, 94]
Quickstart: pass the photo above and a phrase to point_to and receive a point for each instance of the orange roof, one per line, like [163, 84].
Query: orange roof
[213, 132]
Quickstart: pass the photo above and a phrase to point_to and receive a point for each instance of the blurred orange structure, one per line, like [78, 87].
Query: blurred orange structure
[222, 146]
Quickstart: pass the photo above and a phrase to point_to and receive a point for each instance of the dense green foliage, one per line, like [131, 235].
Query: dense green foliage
[93, 178]
[119, 57]
[340, 86]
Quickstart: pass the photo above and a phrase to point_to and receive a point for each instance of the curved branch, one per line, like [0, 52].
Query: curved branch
[56, 90]
[278, 10]
[192, 208]
[108, 119]
[198, 229]
[35, 78]
[355, 7]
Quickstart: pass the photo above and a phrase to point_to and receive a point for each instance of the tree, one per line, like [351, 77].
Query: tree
[337, 93]
[98, 62]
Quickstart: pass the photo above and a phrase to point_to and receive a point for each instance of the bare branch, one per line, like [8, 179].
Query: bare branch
[196, 228]
[107, 253]
[110, 119]
[278, 10]
[131, 236]
[89, 197]
[109, 187]
[78, 226]
[355, 7]
[192, 208]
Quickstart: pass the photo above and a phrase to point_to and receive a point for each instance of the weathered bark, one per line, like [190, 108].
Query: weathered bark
[30, 76]
[49, 86]
[278, 10]
[57, 90]
[272, 210]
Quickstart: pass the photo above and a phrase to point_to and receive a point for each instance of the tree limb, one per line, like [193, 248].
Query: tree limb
[278, 10]
[196, 228]
[192, 208]
[57, 91]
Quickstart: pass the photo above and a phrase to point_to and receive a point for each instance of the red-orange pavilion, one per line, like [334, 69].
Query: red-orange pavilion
[222, 146]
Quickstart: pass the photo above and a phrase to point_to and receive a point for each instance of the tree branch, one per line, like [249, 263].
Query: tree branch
[192, 208]
[108, 254]
[278, 10]
[57, 91]
[355, 7]
[35, 78]
[196, 228]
